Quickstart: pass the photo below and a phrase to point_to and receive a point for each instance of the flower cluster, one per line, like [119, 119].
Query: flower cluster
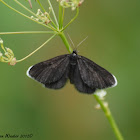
[42, 17]
[8, 56]
[101, 94]
[71, 3]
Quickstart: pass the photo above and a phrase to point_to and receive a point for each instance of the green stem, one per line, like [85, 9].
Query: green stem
[3, 48]
[53, 13]
[23, 14]
[110, 118]
[62, 35]
[65, 41]
[37, 49]
[60, 17]
[25, 7]
[53, 23]
[41, 5]
[77, 13]
[28, 32]
[63, 15]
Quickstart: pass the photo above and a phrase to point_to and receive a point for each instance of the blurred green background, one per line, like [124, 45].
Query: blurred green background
[113, 30]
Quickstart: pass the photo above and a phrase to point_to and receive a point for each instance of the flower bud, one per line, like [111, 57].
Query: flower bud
[98, 106]
[9, 51]
[101, 94]
[13, 61]
[80, 3]
[106, 104]
[1, 41]
[6, 54]
[50, 8]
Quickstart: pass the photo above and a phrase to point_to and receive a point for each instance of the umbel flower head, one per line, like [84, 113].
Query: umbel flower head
[73, 4]
[8, 56]
[42, 17]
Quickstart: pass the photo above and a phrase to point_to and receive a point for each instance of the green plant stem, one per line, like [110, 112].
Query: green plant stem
[61, 34]
[60, 17]
[23, 14]
[28, 32]
[53, 23]
[37, 49]
[25, 7]
[63, 15]
[65, 41]
[53, 13]
[41, 5]
[3, 48]
[110, 118]
[77, 13]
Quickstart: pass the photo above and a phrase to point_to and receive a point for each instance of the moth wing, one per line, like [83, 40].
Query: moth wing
[50, 71]
[80, 85]
[94, 75]
[60, 83]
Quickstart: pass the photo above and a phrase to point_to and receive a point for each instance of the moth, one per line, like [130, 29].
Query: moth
[83, 73]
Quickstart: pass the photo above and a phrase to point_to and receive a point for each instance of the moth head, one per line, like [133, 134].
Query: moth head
[74, 53]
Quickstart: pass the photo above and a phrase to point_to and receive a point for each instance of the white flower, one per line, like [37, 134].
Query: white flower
[70, 3]
[99, 107]
[42, 17]
[101, 94]
[13, 61]
[1, 41]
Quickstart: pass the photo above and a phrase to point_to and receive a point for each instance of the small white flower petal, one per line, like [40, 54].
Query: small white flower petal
[98, 106]
[1, 41]
[101, 94]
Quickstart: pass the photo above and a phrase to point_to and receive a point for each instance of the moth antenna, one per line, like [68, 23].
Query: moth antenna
[81, 42]
[71, 40]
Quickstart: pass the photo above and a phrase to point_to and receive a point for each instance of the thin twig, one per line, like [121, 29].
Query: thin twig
[28, 32]
[37, 49]
[41, 5]
[25, 7]
[77, 13]
[53, 13]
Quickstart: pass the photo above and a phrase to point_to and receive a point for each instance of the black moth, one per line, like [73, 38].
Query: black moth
[86, 75]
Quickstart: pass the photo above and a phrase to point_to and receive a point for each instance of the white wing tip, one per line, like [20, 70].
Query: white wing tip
[116, 82]
[27, 73]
